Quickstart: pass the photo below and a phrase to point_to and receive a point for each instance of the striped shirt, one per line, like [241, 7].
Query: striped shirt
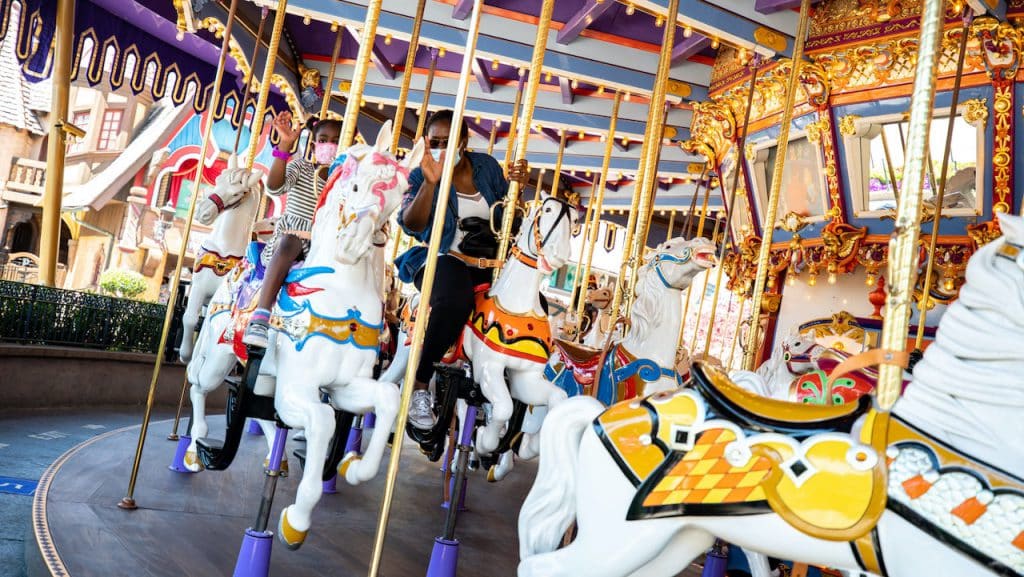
[302, 195]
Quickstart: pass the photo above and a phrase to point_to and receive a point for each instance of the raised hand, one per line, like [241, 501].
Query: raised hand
[286, 129]
[432, 168]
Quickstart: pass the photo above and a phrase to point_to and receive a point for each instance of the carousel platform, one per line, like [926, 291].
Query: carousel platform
[193, 524]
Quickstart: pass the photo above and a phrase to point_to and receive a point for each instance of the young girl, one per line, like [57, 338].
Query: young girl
[303, 181]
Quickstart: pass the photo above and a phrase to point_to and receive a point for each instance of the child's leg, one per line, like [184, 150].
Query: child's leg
[289, 247]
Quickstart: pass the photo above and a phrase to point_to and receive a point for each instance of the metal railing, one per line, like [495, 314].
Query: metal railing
[33, 314]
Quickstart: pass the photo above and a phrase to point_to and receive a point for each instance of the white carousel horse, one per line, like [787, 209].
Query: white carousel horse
[936, 487]
[509, 330]
[331, 324]
[643, 361]
[230, 207]
[792, 357]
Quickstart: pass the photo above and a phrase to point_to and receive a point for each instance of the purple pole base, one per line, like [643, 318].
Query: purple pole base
[443, 558]
[254, 557]
[331, 486]
[369, 420]
[254, 428]
[178, 464]
[462, 496]
[355, 440]
[715, 564]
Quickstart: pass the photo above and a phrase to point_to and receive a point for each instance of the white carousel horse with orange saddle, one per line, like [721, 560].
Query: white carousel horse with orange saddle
[936, 487]
[644, 361]
[230, 207]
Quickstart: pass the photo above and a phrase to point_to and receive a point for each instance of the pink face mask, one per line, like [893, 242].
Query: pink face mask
[325, 152]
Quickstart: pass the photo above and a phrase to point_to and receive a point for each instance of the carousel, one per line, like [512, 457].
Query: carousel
[749, 310]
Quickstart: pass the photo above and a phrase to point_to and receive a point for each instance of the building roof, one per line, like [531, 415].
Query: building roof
[19, 110]
[107, 183]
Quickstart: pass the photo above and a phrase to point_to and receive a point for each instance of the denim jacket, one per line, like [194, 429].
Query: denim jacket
[490, 182]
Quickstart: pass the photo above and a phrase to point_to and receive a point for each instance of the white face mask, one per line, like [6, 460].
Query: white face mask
[436, 153]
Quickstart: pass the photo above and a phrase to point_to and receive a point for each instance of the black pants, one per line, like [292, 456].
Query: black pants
[451, 303]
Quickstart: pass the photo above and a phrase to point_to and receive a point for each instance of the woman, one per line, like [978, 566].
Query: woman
[477, 184]
[302, 181]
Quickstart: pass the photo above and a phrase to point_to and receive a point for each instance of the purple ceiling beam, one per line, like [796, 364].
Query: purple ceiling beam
[689, 47]
[567, 94]
[482, 76]
[772, 6]
[478, 129]
[551, 134]
[663, 185]
[462, 9]
[579, 22]
[384, 66]
[623, 147]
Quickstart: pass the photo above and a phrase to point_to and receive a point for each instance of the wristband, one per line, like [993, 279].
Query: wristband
[278, 153]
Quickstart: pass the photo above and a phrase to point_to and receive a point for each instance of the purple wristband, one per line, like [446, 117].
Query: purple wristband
[278, 153]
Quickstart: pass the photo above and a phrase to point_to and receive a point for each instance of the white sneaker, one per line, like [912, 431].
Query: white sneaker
[421, 410]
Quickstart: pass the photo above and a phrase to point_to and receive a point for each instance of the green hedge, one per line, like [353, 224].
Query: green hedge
[33, 314]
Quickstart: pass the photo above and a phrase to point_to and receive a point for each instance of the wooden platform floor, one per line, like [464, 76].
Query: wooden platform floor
[193, 524]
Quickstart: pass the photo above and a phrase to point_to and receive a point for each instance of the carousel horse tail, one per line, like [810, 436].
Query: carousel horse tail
[395, 372]
[550, 508]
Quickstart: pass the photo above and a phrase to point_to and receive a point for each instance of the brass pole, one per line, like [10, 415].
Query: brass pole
[494, 132]
[523, 132]
[771, 214]
[410, 65]
[689, 225]
[261, 101]
[671, 224]
[649, 216]
[903, 244]
[425, 105]
[423, 310]
[609, 144]
[929, 269]
[704, 292]
[540, 182]
[741, 166]
[588, 216]
[248, 78]
[736, 334]
[643, 195]
[355, 91]
[128, 502]
[889, 167]
[177, 414]
[558, 162]
[56, 147]
[513, 125]
[326, 104]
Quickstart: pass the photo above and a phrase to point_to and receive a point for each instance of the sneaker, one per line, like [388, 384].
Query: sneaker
[256, 334]
[421, 410]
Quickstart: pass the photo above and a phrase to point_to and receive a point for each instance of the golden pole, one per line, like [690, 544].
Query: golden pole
[514, 124]
[929, 270]
[494, 132]
[643, 195]
[423, 310]
[889, 167]
[261, 101]
[649, 216]
[424, 106]
[671, 224]
[689, 223]
[248, 77]
[741, 166]
[177, 414]
[540, 44]
[558, 163]
[410, 65]
[587, 218]
[704, 291]
[355, 91]
[736, 334]
[326, 104]
[903, 244]
[540, 181]
[771, 214]
[56, 147]
[609, 143]
[128, 502]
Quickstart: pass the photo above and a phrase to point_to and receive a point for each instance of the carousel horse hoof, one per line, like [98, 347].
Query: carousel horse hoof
[346, 465]
[291, 537]
[192, 462]
[284, 467]
[492, 474]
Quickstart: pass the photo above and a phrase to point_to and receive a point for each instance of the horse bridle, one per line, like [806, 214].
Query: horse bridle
[538, 240]
[665, 257]
[219, 202]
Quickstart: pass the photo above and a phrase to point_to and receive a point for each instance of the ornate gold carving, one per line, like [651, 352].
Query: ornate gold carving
[842, 325]
[712, 130]
[792, 222]
[695, 168]
[983, 233]
[828, 148]
[841, 16]
[975, 111]
[841, 242]
[770, 38]
[1000, 46]
[680, 89]
[1002, 150]
[847, 125]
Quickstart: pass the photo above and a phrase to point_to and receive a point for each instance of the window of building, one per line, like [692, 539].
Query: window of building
[81, 120]
[110, 129]
[803, 178]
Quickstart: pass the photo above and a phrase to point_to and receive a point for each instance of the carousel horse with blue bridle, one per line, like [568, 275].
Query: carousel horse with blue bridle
[644, 361]
[230, 208]
[933, 487]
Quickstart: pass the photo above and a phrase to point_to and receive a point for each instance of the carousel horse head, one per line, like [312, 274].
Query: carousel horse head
[361, 196]
[676, 261]
[547, 238]
[800, 352]
[232, 187]
[263, 230]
